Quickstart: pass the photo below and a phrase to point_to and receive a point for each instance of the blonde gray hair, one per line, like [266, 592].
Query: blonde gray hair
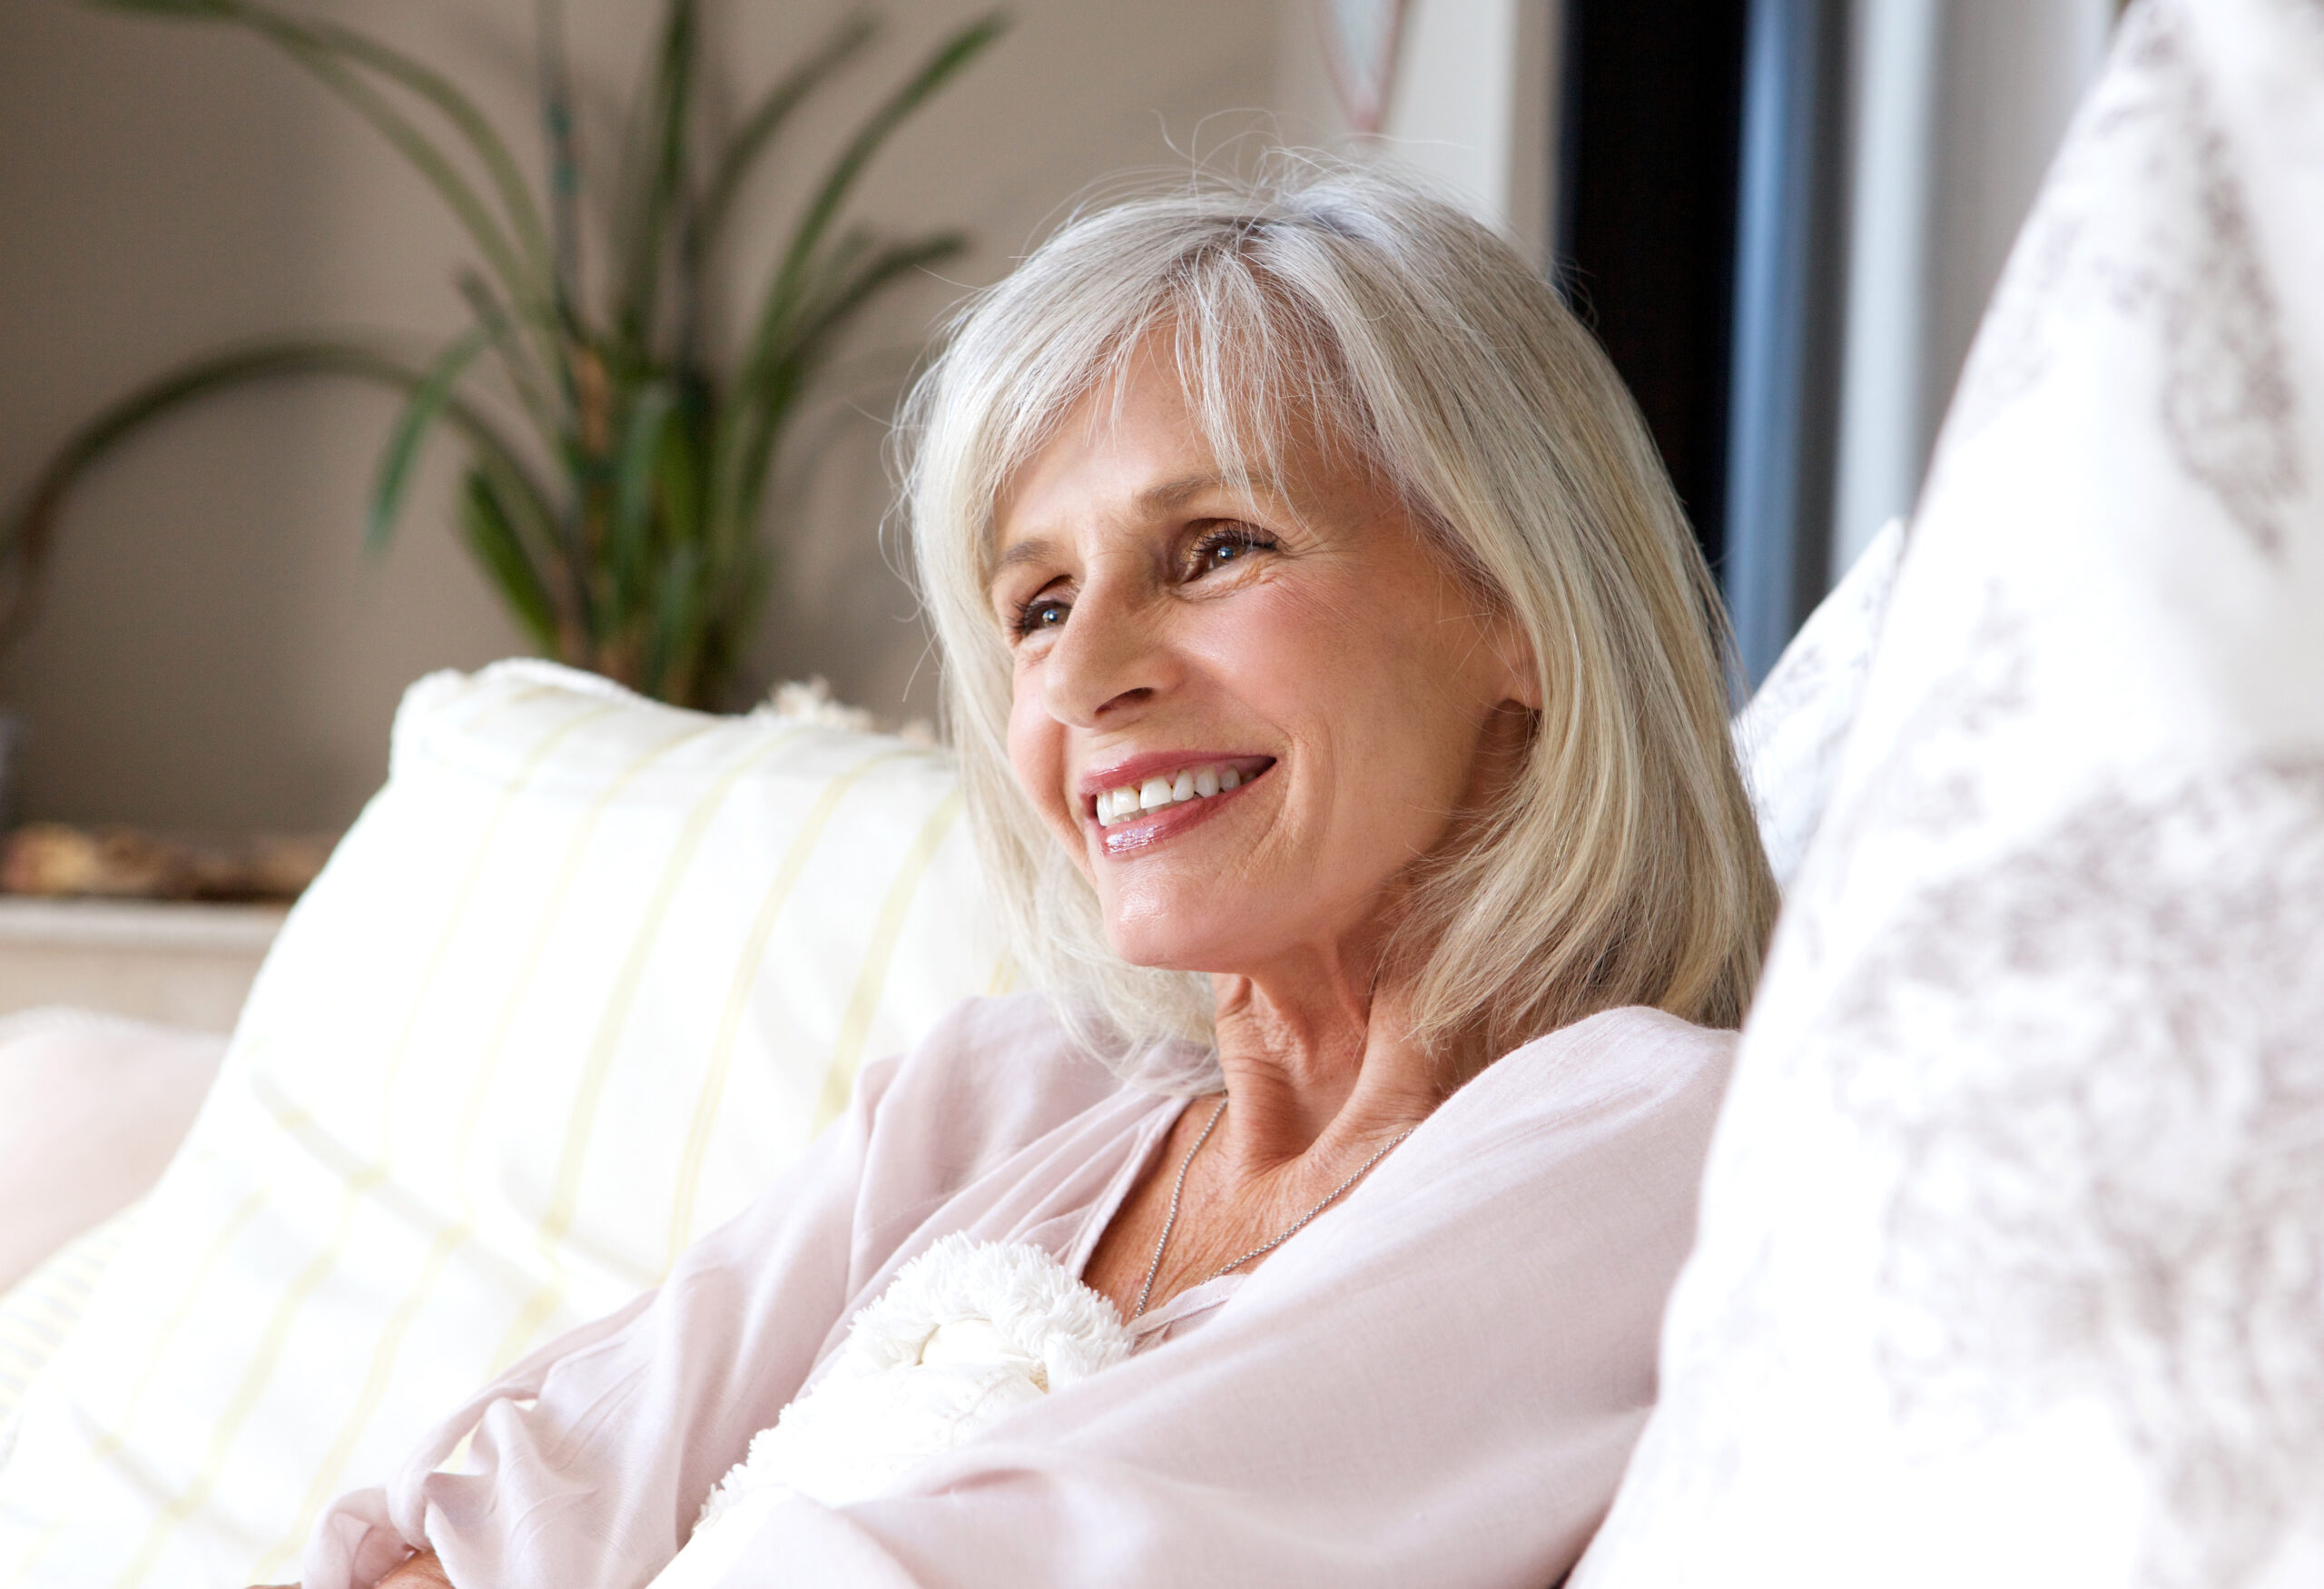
[1622, 864]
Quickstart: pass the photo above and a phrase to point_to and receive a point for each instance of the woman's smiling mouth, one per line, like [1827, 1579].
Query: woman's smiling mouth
[1139, 803]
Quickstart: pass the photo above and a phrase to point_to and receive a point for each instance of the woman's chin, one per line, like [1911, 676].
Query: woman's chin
[1156, 947]
[1155, 957]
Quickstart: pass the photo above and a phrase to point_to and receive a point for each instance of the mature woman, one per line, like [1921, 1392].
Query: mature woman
[1335, 685]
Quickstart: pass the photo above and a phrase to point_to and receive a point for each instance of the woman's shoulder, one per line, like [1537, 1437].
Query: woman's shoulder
[1563, 1178]
[1614, 1071]
[991, 1074]
[1639, 1039]
[1017, 1036]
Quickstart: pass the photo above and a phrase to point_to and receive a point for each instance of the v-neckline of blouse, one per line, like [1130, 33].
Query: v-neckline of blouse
[1155, 1324]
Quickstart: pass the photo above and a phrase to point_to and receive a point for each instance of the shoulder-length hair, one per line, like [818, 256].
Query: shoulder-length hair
[1622, 865]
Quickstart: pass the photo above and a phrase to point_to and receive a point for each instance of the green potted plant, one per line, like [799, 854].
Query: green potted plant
[616, 465]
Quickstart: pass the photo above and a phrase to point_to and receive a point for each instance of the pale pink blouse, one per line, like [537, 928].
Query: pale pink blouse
[1436, 1383]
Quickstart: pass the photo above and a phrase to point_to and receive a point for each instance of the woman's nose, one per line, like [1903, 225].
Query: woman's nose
[1110, 660]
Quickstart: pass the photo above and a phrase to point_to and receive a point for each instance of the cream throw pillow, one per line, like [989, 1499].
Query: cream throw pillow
[585, 975]
[2011, 1268]
[39, 1312]
[92, 1107]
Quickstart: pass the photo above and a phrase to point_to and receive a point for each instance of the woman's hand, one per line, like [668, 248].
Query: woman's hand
[420, 1571]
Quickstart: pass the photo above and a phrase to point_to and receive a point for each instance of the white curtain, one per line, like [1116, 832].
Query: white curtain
[1956, 108]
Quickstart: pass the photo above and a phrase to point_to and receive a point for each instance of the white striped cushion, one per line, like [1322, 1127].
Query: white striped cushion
[586, 974]
[40, 1311]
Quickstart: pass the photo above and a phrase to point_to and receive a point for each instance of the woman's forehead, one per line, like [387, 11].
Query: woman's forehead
[1024, 534]
[1144, 444]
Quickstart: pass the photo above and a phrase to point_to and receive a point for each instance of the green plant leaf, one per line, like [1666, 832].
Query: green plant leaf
[556, 88]
[682, 473]
[745, 446]
[492, 535]
[28, 532]
[643, 559]
[638, 472]
[427, 405]
[742, 604]
[491, 151]
[525, 374]
[758, 407]
[675, 646]
[653, 182]
[776, 385]
[946, 63]
[751, 140]
[535, 522]
[829, 311]
[679, 475]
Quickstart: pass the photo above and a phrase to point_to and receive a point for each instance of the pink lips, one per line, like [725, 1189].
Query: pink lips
[1148, 829]
[1135, 770]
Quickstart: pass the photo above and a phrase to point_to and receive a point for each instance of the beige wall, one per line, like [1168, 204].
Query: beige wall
[217, 652]
[1471, 109]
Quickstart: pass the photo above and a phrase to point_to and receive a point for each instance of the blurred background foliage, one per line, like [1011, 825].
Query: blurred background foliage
[614, 492]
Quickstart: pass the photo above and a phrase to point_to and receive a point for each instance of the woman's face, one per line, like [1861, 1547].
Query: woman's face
[1177, 634]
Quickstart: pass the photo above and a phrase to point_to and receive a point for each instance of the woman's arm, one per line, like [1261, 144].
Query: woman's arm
[607, 1440]
[587, 1465]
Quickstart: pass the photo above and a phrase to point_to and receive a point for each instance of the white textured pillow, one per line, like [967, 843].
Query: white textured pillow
[1789, 739]
[2011, 1268]
[586, 974]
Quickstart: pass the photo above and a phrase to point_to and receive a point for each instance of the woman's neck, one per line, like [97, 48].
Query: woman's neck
[1335, 1068]
[1322, 1074]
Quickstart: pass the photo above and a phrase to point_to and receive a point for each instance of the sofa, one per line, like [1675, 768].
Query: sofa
[2011, 1260]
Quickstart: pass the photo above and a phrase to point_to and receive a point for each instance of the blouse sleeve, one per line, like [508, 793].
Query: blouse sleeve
[1438, 1384]
[589, 1460]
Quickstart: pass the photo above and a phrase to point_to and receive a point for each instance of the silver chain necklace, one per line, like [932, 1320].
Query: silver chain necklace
[1171, 1222]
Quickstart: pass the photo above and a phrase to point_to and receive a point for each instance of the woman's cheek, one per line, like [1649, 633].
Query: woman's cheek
[1037, 757]
[1272, 640]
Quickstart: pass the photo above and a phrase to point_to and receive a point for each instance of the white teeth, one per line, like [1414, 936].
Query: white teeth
[1187, 784]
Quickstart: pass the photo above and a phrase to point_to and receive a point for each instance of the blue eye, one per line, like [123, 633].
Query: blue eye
[1227, 545]
[1041, 613]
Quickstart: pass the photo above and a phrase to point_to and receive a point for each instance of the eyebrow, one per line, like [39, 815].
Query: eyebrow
[1165, 498]
[1024, 551]
[1178, 493]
